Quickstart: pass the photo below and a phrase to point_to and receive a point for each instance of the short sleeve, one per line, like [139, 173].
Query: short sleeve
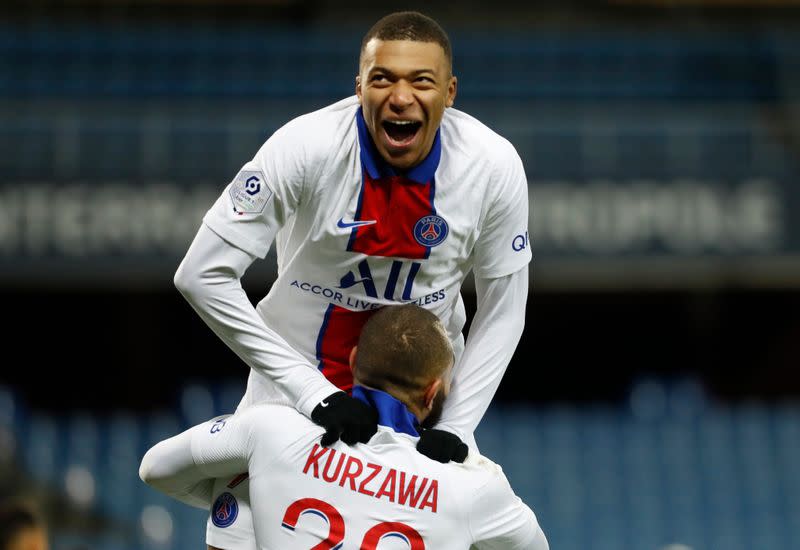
[264, 193]
[503, 245]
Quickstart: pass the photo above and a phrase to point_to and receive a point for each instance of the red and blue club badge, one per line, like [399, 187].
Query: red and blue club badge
[430, 230]
[224, 510]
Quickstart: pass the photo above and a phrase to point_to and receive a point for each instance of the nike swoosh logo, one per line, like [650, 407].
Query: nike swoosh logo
[346, 225]
[323, 403]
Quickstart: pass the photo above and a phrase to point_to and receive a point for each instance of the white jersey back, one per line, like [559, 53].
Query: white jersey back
[353, 236]
[383, 494]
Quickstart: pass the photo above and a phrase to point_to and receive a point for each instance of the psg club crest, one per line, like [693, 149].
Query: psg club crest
[224, 510]
[430, 230]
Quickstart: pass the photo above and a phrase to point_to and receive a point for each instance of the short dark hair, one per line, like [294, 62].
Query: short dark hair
[15, 517]
[402, 347]
[409, 25]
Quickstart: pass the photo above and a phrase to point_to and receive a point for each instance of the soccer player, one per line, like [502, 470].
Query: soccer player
[390, 196]
[305, 495]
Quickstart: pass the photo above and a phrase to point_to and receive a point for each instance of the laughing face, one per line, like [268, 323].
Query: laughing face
[404, 87]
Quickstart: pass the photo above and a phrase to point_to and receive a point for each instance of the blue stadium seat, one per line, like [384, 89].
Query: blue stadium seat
[134, 60]
[43, 449]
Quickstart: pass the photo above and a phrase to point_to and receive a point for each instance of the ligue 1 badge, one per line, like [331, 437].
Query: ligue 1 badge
[249, 192]
[224, 510]
[430, 230]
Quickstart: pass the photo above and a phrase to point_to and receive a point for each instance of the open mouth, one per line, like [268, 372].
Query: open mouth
[401, 132]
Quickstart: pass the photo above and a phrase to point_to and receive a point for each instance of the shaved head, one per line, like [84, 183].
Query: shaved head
[402, 348]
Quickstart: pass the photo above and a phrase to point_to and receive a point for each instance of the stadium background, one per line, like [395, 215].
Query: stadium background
[653, 401]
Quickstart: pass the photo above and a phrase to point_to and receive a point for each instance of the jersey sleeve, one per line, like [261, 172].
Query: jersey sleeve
[209, 277]
[498, 519]
[183, 466]
[493, 336]
[265, 192]
[221, 447]
[503, 243]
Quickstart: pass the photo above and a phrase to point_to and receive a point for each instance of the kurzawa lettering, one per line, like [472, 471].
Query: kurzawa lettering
[372, 480]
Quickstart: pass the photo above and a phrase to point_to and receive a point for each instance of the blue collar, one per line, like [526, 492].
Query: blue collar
[378, 168]
[391, 412]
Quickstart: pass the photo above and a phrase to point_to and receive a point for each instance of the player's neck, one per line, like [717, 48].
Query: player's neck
[392, 411]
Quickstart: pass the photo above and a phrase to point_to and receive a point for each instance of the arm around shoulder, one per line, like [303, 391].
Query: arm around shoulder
[496, 330]
[210, 279]
[168, 467]
[184, 466]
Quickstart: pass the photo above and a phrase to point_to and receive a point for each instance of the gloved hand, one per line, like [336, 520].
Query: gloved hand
[442, 446]
[345, 418]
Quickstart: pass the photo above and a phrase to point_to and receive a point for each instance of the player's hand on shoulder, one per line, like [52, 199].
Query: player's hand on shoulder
[345, 418]
[442, 446]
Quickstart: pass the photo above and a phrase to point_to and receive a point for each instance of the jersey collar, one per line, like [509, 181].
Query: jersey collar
[377, 167]
[391, 412]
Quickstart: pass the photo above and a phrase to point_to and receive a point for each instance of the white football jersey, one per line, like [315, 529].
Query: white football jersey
[383, 494]
[352, 235]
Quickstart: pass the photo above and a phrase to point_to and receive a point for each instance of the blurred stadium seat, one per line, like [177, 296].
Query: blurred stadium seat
[157, 83]
[92, 60]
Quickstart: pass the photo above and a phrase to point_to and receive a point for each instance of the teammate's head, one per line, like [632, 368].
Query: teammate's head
[404, 351]
[21, 528]
[404, 84]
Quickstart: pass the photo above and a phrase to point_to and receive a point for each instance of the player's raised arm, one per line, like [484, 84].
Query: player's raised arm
[210, 279]
[240, 227]
[501, 281]
[494, 335]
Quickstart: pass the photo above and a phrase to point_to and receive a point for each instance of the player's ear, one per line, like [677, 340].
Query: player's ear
[358, 87]
[452, 88]
[430, 393]
[353, 359]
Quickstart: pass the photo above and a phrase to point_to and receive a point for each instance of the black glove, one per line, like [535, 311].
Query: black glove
[442, 446]
[345, 418]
